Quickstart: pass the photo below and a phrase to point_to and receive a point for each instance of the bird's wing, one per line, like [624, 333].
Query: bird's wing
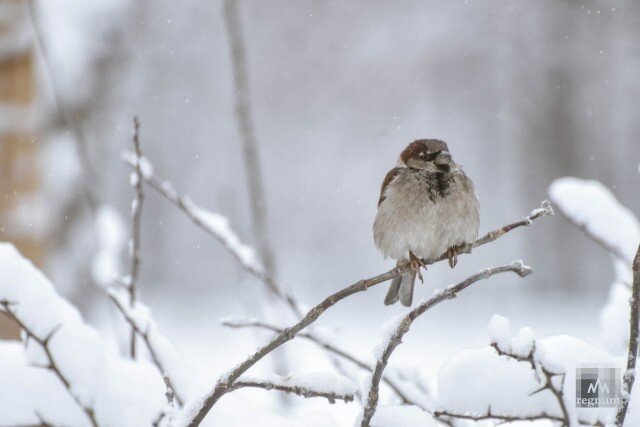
[387, 180]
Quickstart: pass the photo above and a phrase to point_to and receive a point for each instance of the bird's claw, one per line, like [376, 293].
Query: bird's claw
[416, 263]
[452, 253]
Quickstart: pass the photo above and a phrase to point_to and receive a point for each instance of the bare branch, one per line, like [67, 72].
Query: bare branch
[253, 167]
[44, 343]
[502, 418]
[403, 327]
[136, 214]
[331, 396]
[144, 334]
[393, 385]
[634, 318]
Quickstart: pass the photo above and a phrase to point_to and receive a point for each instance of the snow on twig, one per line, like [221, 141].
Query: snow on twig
[394, 384]
[56, 338]
[202, 406]
[326, 385]
[163, 354]
[403, 324]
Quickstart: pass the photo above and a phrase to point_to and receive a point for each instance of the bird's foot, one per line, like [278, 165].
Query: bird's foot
[452, 253]
[416, 263]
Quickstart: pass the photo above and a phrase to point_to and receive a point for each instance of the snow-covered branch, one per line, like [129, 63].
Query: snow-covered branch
[397, 386]
[218, 226]
[163, 354]
[395, 337]
[593, 209]
[199, 408]
[104, 388]
[634, 320]
[537, 368]
[328, 386]
[51, 362]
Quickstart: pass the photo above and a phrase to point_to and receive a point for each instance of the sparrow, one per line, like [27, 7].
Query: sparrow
[427, 207]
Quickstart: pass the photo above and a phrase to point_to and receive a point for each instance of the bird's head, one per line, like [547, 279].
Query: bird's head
[428, 154]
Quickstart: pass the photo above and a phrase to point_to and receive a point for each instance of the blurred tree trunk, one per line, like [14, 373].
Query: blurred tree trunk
[19, 178]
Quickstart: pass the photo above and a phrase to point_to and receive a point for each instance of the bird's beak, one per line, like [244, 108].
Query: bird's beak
[443, 158]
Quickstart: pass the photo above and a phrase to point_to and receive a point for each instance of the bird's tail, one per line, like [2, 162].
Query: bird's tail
[401, 288]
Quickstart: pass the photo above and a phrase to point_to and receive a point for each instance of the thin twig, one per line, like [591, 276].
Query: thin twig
[634, 318]
[150, 347]
[403, 327]
[332, 349]
[136, 228]
[44, 343]
[503, 418]
[332, 397]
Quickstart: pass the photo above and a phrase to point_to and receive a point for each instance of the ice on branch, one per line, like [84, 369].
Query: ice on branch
[593, 207]
[74, 364]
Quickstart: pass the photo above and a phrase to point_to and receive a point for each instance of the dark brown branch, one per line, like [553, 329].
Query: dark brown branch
[403, 327]
[634, 318]
[332, 397]
[332, 349]
[44, 343]
[147, 341]
[135, 229]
